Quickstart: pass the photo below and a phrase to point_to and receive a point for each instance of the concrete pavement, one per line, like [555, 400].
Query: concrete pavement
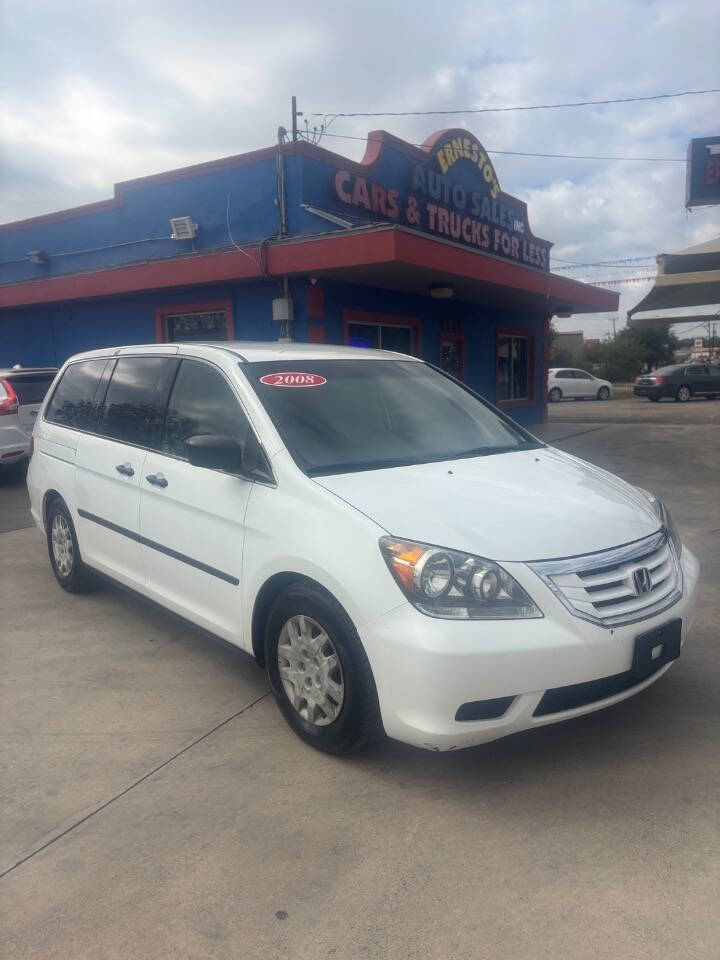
[159, 807]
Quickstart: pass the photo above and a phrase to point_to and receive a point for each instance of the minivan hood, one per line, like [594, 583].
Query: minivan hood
[520, 506]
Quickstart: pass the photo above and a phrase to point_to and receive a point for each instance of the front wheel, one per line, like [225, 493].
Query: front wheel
[319, 672]
[683, 394]
[653, 399]
[603, 393]
[555, 395]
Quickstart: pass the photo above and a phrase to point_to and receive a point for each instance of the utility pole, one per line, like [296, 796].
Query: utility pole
[295, 115]
[614, 331]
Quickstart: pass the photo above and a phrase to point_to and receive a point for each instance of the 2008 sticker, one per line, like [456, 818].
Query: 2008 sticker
[293, 379]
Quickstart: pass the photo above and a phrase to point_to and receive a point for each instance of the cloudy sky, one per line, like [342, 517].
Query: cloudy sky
[102, 91]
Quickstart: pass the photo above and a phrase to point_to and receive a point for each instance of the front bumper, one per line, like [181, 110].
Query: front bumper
[425, 668]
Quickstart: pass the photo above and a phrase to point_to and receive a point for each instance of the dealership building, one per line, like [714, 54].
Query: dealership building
[414, 249]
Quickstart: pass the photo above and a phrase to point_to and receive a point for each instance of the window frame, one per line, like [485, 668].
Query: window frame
[520, 333]
[369, 318]
[203, 306]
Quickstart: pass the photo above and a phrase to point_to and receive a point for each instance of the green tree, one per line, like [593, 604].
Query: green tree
[658, 343]
[623, 357]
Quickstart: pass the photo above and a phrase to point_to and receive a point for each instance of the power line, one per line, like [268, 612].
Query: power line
[537, 106]
[519, 153]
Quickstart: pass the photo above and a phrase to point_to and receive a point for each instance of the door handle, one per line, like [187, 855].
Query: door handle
[156, 479]
[125, 469]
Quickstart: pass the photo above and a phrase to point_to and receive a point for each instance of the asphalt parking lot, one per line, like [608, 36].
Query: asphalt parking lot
[155, 805]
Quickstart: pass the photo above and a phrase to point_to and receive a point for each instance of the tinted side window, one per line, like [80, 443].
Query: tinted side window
[74, 402]
[581, 375]
[563, 375]
[133, 402]
[201, 402]
[694, 371]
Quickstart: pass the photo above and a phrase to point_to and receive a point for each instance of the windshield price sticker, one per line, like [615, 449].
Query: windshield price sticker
[293, 380]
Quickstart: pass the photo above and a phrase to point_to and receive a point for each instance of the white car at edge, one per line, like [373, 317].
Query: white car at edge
[569, 383]
[397, 553]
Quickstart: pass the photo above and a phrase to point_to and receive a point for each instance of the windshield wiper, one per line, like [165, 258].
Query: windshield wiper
[360, 465]
[357, 466]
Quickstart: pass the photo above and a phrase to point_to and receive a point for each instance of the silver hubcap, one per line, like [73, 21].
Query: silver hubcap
[310, 670]
[62, 545]
[684, 393]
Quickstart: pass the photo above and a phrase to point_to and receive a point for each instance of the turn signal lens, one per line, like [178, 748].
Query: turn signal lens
[455, 585]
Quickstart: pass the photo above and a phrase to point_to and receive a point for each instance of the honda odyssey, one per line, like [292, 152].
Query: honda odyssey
[399, 555]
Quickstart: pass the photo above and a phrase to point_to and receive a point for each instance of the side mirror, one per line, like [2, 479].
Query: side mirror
[215, 452]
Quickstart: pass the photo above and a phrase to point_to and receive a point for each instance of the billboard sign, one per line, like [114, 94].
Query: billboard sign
[703, 172]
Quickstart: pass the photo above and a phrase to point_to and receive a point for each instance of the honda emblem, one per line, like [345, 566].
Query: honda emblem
[641, 580]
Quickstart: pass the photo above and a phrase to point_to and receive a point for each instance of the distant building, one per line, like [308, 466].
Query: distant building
[571, 343]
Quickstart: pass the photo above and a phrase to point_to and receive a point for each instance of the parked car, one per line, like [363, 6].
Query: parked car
[680, 382]
[22, 390]
[398, 554]
[567, 383]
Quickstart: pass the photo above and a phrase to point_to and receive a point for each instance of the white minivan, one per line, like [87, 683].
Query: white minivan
[398, 554]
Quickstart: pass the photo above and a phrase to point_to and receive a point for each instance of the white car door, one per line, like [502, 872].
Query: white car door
[585, 385]
[192, 518]
[109, 466]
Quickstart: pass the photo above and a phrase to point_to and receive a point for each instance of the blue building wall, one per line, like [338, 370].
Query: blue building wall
[232, 202]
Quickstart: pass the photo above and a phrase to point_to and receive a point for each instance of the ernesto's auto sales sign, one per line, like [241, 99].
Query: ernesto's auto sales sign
[450, 190]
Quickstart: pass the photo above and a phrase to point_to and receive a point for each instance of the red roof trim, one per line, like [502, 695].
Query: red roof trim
[306, 256]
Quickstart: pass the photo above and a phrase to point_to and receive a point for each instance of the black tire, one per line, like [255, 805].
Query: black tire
[653, 399]
[555, 395]
[75, 578]
[683, 393]
[603, 393]
[358, 721]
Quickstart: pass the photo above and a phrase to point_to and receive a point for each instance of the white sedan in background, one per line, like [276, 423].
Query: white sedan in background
[567, 383]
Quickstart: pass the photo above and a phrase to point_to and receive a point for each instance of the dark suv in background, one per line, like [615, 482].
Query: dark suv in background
[680, 382]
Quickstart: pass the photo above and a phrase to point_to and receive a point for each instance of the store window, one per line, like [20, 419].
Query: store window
[514, 381]
[381, 336]
[199, 322]
[380, 331]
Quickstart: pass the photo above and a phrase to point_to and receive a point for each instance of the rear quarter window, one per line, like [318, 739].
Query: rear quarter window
[74, 402]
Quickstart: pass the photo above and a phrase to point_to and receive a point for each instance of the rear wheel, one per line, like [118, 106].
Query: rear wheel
[65, 559]
[603, 393]
[319, 672]
[555, 394]
[683, 394]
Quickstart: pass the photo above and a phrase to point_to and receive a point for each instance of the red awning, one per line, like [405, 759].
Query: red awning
[390, 257]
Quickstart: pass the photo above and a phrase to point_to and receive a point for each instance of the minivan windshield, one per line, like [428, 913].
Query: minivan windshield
[341, 416]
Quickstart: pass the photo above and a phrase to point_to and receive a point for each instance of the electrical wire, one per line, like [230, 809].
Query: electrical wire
[537, 106]
[514, 153]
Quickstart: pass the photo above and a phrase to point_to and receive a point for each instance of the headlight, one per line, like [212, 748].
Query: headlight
[454, 585]
[663, 515]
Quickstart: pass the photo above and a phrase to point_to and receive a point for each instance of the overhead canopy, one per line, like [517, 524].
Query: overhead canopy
[690, 278]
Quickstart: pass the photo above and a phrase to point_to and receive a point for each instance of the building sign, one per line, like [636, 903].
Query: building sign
[703, 172]
[448, 189]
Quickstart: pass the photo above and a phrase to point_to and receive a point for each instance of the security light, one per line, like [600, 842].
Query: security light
[37, 256]
[183, 228]
[442, 291]
[563, 313]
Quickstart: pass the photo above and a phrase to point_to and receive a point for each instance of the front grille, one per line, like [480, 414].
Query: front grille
[606, 588]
